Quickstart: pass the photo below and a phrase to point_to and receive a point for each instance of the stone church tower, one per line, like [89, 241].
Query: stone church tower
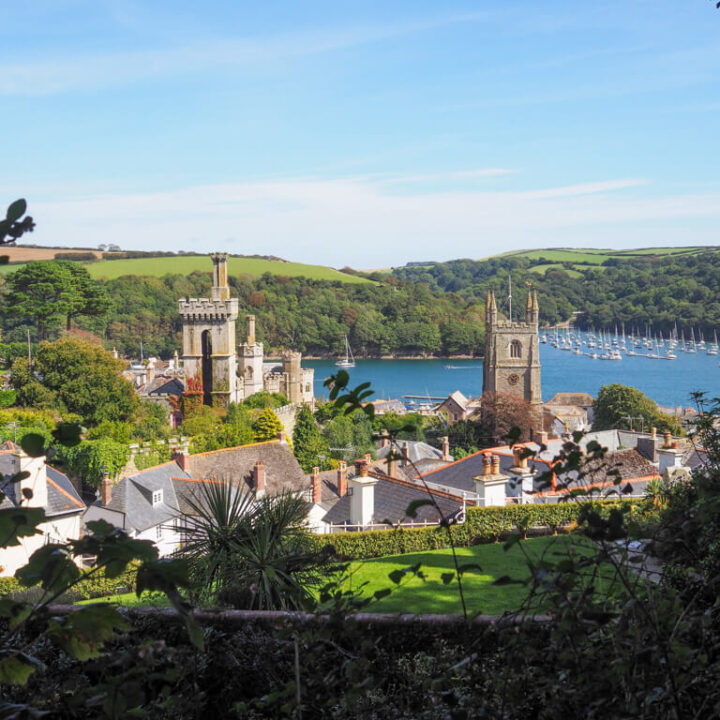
[512, 353]
[209, 358]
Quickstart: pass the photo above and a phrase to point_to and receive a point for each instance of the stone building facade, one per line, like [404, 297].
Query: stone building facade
[226, 373]
[512, 353]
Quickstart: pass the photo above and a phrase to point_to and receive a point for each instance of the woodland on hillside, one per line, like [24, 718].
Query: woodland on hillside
[656, 291]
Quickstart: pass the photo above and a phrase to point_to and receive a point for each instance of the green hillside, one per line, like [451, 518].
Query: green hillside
[184, 265]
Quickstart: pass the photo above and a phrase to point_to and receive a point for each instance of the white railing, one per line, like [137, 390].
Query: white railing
[379, 526]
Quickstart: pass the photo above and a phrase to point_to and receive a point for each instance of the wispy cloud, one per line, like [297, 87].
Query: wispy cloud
[81, 72]
[355, 222]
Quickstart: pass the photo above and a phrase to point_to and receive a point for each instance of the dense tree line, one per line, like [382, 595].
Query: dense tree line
[644, 291]
[308, 315]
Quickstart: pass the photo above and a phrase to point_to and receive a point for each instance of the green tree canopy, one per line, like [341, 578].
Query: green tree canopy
[267, 425]
[308, 443]
[51, 291]
[619, 406]
[76, 377]
[91, 458]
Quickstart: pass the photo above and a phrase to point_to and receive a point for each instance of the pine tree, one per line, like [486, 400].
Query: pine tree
[267, 426]
[308, 442]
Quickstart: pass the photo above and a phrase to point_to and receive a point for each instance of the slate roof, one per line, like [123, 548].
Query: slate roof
[164, 386]
[392, 498]
[416, 451]
[62, 496]
[282, 470]
[132, 496]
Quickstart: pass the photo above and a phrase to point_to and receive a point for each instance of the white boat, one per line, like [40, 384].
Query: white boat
[348, 361]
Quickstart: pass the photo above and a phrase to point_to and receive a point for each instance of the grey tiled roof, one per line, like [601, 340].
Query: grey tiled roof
[132, 496]
[391, 501]
[416, 451]
[164, 386]
[282, 470]
[62, 497]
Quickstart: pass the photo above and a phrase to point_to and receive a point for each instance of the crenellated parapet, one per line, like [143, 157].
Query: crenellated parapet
[206, 310]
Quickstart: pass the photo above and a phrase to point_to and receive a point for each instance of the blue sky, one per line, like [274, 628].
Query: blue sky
[364, 134]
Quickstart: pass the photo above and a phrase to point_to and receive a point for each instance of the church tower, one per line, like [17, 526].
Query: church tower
[209, 359]
[512, 352]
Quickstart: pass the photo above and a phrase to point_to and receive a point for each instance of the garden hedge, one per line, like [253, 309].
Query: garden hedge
[482, 525]
[93, 587]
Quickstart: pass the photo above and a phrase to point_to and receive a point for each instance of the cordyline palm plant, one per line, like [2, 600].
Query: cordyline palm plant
[250, 552]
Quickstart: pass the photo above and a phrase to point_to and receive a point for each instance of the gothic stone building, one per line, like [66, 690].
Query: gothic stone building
[512, 353]
[224, 373]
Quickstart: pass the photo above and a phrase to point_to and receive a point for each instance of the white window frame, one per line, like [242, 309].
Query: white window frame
[157, 497]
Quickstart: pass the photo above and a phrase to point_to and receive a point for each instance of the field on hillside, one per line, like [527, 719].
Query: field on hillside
[184, 265]
[159, 266]
[23, 253]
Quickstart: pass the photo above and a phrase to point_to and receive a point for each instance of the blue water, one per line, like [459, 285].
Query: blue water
[668, 382]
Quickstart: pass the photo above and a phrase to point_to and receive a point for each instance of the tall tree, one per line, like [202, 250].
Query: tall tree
[267, 426]
[308, 443]
[83, 379]
[49, 291]
[622, 406]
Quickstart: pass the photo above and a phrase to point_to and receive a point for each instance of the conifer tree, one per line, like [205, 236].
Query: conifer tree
[308, 443]
[267, 426]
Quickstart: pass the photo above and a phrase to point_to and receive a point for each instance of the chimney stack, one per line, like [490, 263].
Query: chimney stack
[361, 468]
[106, 490]
[446, 449]
[316, 486]
[491, 485]
[342, 479]
[405, 454]
[281, 437]
[182, 459]
[259, 478]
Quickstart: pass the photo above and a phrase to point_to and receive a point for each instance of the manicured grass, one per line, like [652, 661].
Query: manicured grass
[147, 599]
[433, 596]
[159, 266]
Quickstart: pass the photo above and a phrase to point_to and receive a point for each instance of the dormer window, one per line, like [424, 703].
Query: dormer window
[157, 497]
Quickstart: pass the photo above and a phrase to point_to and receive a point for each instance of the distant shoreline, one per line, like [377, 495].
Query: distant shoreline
[396, 357]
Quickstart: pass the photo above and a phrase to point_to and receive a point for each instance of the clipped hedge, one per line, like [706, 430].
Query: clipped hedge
[93, 587]
[482, 525]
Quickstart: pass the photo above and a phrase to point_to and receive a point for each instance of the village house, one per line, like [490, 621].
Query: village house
[150, 504]
[51, 490]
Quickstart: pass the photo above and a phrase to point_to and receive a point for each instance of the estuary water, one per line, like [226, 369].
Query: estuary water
[668, 382]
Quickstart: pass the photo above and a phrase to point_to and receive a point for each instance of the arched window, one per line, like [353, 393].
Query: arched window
[515, 349]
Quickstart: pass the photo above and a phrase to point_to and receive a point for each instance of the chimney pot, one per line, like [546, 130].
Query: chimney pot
[384, 440]
[487, 464]
[361, 467]
[106, 490]
[495, 464]
[342, 479]
[259, 478]
[668, 439]
[316, 486]
[653, 432]
[446, 449]
[405, 454]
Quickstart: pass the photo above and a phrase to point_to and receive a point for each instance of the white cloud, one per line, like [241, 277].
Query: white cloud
[82, 72]
[339, 222]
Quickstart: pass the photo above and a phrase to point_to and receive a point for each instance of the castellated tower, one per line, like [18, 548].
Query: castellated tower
[250, 361]
[512, 353]
[209, 358]
[293, 376]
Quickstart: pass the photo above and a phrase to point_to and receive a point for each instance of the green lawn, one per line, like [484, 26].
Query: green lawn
[147, 599]
[159, 266]
[433, 596]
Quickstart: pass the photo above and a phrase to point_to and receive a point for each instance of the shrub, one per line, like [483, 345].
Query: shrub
[482, 525]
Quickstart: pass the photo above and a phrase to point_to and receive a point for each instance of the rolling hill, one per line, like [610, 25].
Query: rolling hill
[186, 264]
